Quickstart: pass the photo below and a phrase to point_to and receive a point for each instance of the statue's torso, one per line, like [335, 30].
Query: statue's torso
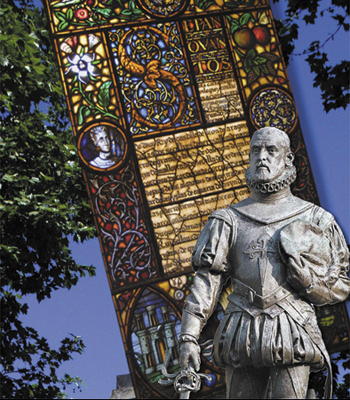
[263, 309]
[255, 258]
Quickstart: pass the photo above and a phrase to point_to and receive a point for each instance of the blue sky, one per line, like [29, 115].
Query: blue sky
[87, 310]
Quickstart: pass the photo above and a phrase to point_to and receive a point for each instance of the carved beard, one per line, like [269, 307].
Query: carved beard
[285, 180]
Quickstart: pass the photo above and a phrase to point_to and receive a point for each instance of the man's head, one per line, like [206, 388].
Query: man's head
[271, 160]
[100, 138]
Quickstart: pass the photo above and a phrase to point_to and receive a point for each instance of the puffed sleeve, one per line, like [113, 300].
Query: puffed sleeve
[338, 282]
[210, 261]
[317, 258]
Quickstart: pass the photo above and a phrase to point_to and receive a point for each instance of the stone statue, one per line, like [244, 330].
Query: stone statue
[283, 255]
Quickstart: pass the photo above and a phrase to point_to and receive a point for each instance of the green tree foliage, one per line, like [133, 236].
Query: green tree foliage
[332, 78]
[43, 201]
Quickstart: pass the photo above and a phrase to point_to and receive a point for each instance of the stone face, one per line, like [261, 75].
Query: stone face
[124, 388]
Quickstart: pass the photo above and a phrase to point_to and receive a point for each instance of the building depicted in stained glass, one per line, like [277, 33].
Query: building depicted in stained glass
[163, 97]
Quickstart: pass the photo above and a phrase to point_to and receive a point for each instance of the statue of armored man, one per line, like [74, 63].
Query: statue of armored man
[283, 255]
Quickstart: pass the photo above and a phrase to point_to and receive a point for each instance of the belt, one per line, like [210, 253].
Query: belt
[240, 289]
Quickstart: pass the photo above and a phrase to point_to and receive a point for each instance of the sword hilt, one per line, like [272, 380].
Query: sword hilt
[187, 381]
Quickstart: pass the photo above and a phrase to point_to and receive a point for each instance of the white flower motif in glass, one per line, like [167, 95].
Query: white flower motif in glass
[81, 65]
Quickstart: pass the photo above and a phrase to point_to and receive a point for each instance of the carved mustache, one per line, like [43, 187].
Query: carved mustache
[262, 165]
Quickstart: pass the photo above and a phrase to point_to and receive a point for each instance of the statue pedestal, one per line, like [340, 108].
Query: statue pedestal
[124, 388]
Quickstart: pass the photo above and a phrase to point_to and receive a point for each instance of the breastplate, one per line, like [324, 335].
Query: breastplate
[255, 257]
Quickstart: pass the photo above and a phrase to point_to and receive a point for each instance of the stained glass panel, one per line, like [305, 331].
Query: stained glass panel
[163, 98]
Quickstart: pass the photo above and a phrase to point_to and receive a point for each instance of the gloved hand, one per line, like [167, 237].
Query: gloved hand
[190, 355]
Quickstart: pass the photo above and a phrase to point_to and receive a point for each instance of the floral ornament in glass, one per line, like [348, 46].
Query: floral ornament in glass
[78, 14]
[82, 65]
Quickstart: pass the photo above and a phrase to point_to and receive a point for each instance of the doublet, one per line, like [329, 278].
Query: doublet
[266, 322]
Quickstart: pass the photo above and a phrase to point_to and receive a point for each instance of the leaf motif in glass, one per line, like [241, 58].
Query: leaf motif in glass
[125, 236]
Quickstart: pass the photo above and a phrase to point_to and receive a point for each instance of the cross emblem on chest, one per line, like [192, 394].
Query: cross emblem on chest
[259, 249]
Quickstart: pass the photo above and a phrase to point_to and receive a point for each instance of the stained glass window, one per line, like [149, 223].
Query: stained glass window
[163, 97]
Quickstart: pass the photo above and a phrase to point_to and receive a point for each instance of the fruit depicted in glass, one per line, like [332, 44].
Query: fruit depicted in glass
[244, 38]
[262, 35]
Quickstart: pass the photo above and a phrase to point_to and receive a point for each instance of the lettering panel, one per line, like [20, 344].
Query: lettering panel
[186, 176]
[189, 164]
[213, 70]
